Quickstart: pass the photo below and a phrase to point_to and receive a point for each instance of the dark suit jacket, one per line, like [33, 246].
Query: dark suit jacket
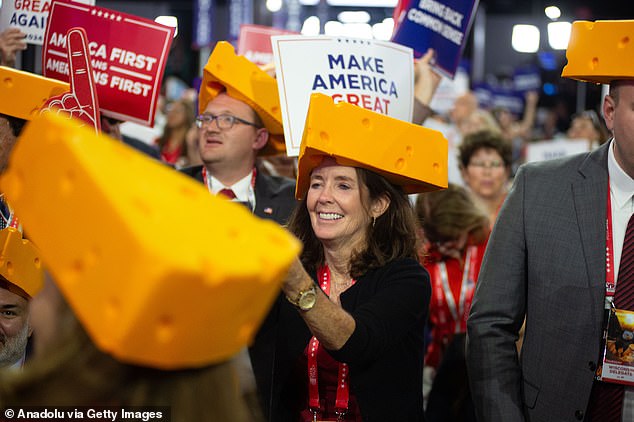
[274, 195]
[545, 262]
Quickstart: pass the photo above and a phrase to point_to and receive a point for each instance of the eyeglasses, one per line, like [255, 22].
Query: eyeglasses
[224, 121]
[494, 164]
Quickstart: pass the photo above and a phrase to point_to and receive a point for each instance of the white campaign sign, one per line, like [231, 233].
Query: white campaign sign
[555, 148]
[30, 16]
[376, 75]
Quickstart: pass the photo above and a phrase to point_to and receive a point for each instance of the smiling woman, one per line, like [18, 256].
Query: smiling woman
[346, 338]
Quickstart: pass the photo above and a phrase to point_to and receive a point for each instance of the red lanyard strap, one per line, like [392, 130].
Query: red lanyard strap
[343, 387]
[461, 311]
[610, 281]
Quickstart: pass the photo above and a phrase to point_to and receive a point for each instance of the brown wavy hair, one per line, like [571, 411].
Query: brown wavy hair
[445, 215]
[484, 139]
[392, 236]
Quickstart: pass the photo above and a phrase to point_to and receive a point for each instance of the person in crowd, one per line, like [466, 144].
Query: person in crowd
[12, 40]
[455, 231]
[111, 329]
[462, 108]
[485, 165]
[426, 82]
[512, 128]
[20, 279]
[479, 120]
[561, 244]
[425, 86]
[352, 321]
[172, 143]
[588, 126]
[518, 132]
[191, 138]
[238, 122]
[32, 90]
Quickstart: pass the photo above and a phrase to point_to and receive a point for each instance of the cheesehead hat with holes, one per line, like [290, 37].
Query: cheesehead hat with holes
[405, 154]
[20, 263]
[244, 81]
[158, 271]
[601, 51]
[23, 93]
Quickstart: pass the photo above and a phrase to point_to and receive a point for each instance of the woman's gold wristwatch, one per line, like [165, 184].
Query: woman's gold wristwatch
[305, 299]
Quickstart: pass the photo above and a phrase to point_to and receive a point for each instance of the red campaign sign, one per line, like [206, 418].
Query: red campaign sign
[254, 42]
[128, 56]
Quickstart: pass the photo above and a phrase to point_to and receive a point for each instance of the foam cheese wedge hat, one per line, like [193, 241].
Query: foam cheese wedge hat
[23, 93]
[20, 262]
[244, 81]
[406, 154]
[158, 271]
[601, 51]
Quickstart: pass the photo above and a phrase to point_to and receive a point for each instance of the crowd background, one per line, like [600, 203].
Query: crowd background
[487, 146]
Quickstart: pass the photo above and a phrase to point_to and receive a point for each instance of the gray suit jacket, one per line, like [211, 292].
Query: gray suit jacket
[545, 262]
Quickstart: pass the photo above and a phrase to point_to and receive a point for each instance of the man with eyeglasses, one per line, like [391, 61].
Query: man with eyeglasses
[239, 119]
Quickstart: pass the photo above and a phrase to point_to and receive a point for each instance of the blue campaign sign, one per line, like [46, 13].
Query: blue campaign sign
[439, 24]
[527, 78]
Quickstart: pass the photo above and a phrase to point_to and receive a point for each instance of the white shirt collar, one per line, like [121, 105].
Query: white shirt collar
[621, 184]
[241, 188]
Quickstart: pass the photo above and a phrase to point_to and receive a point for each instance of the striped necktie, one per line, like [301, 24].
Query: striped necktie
[606, 400]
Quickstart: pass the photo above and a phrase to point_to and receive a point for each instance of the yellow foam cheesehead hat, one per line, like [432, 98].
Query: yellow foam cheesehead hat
[158, 271]
[408, 155]
[244, 81]
[601, 51]
[20, 262]
[23, 93]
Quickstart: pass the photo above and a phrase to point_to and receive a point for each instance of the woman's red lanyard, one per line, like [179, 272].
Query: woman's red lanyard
[460, 312]
[610, 281]
[343, 389]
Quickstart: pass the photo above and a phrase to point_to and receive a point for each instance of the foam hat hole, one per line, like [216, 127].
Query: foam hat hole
[164, 329]
[323, 135]
[400, 164]
[10, 268]
[624, 42]
[8, 82]
[67, 183]
[112, 308]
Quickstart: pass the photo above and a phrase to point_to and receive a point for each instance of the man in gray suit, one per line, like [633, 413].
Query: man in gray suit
[546, 264]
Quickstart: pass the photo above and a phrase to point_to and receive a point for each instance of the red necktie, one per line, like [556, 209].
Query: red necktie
[228, 193]
[606, 400]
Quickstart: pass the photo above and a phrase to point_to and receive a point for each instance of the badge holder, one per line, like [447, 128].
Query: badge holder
[617, 357]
